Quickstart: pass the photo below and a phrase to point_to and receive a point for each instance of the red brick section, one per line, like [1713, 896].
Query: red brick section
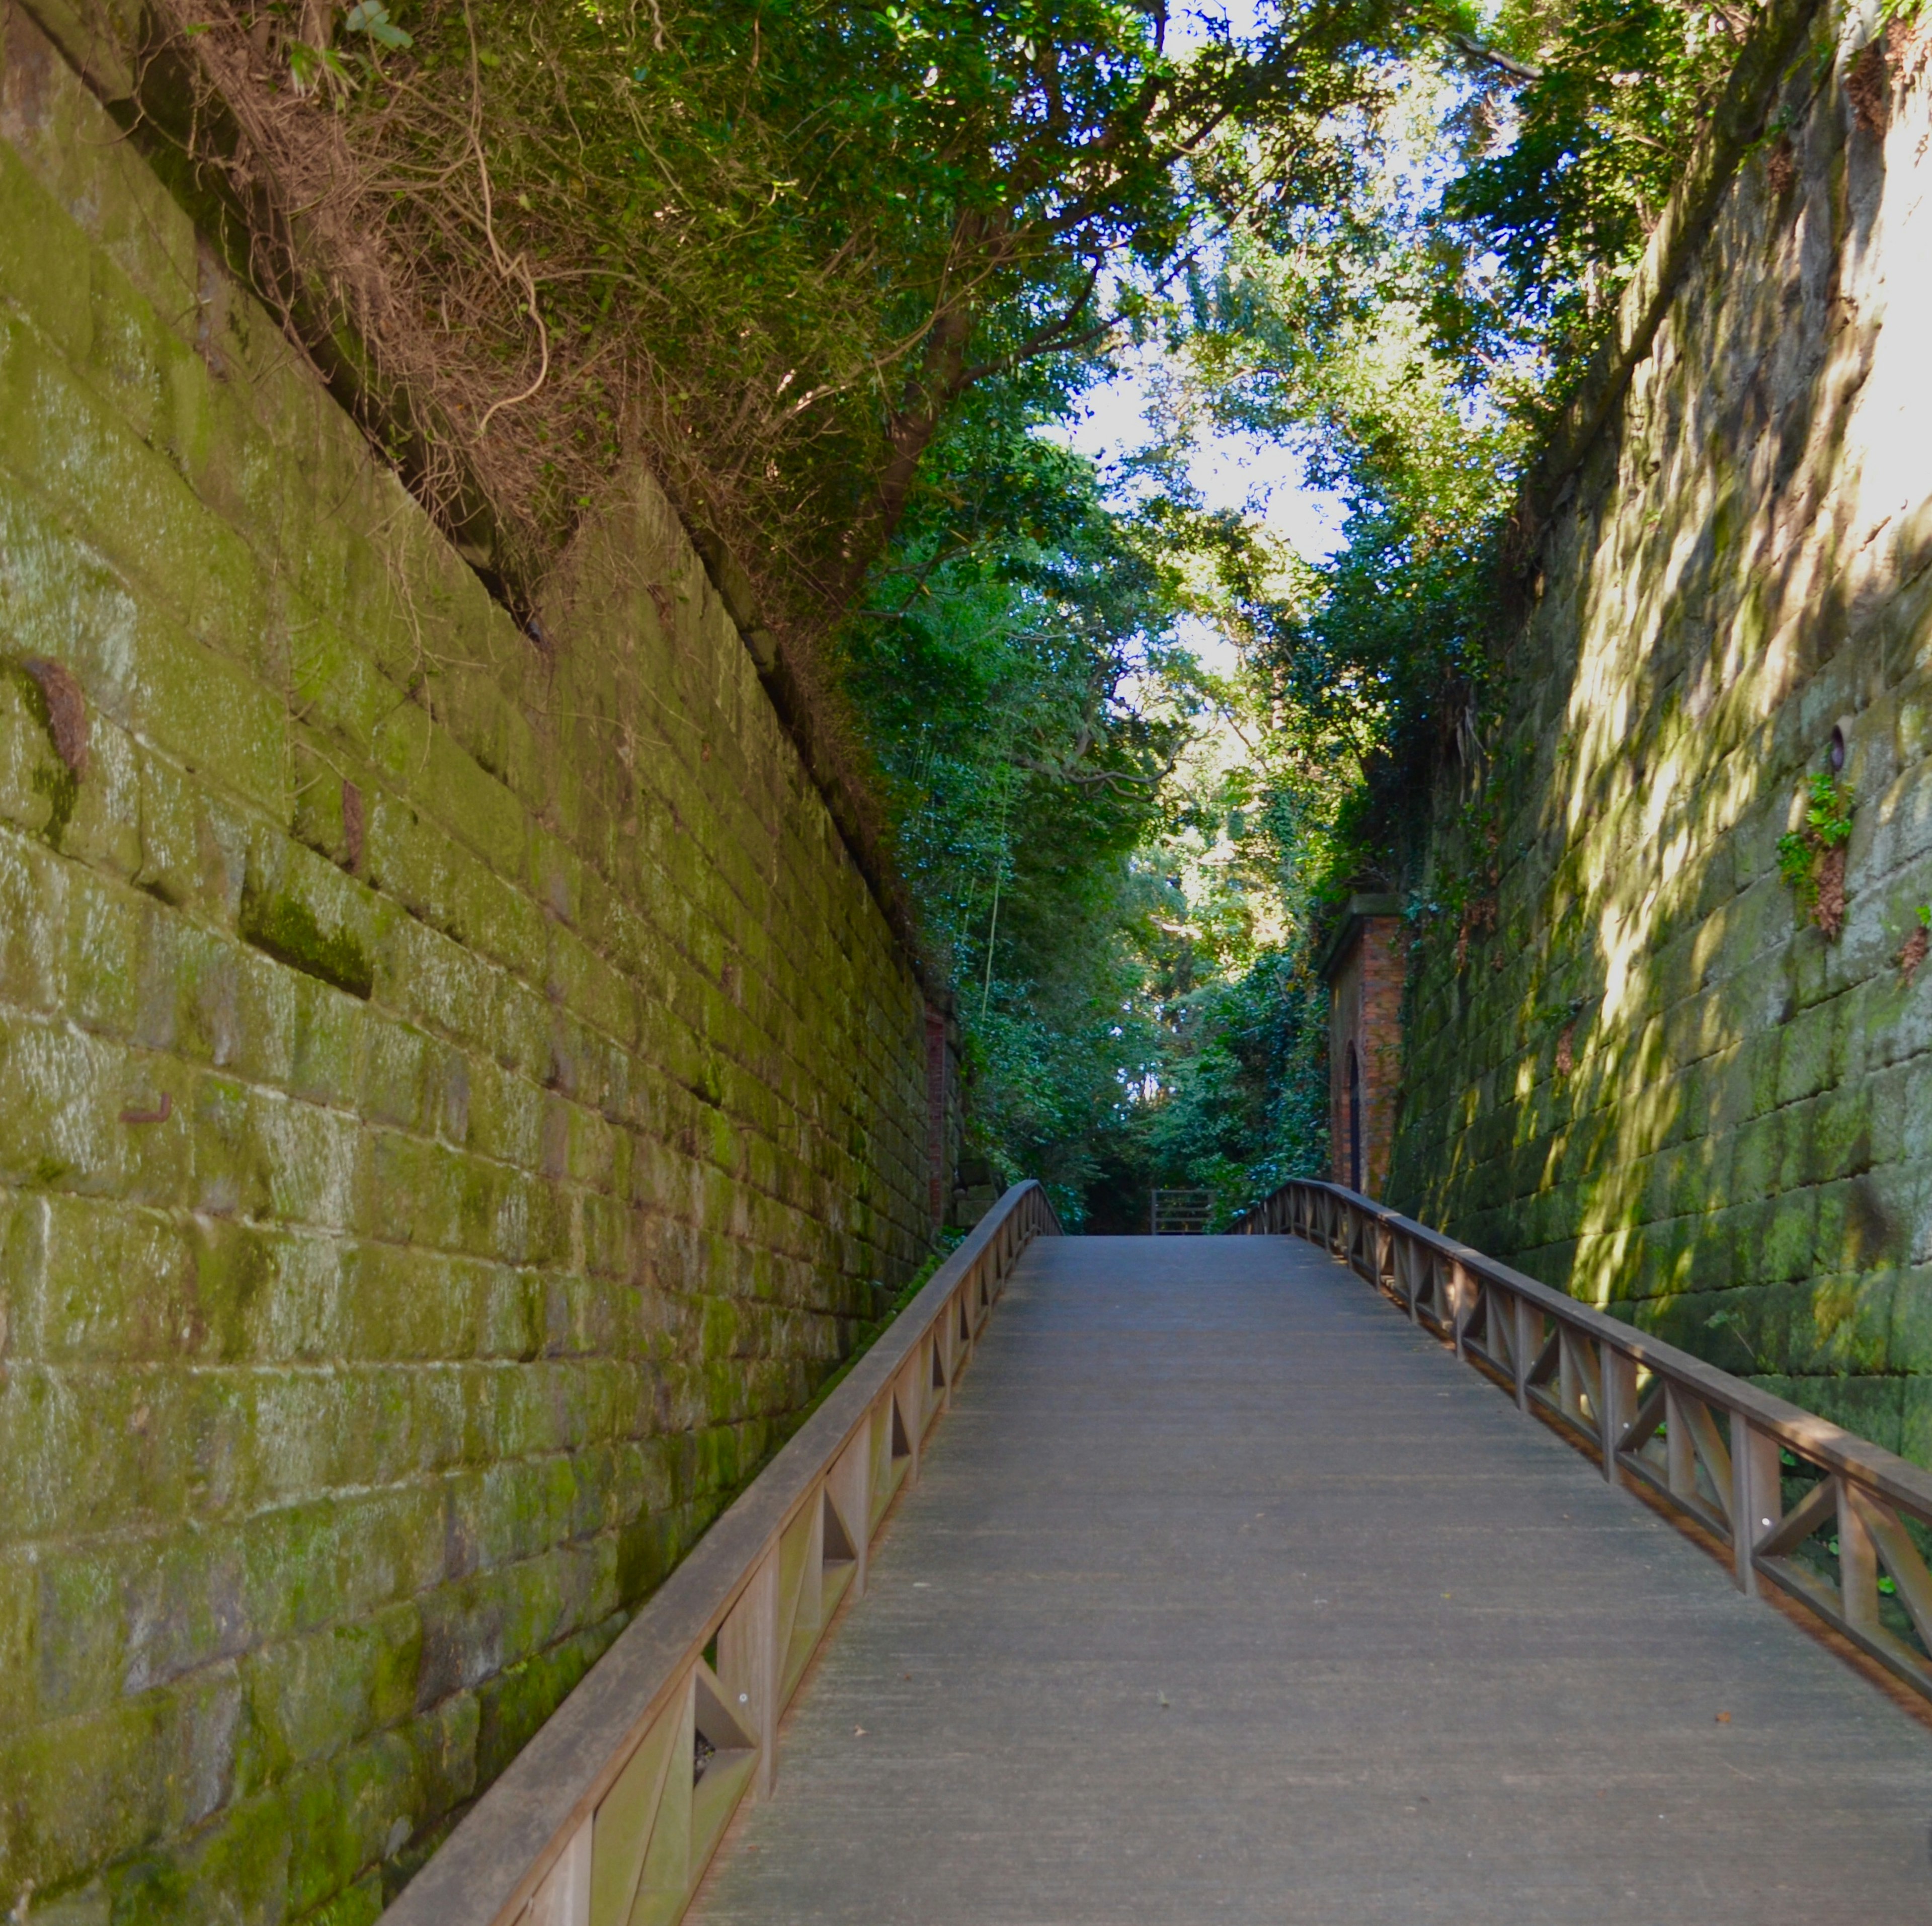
[1365, 1009]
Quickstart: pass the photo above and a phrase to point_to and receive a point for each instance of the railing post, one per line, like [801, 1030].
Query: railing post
[1757, 1497]
[1616, 1378]
[909, 1392]
[1858, 1563]
[1569, 1379]
[564, 1897]
[849, 1484]
[1502, 1328]
[1529, 1344]
[1680, 1455]
[748, 1665]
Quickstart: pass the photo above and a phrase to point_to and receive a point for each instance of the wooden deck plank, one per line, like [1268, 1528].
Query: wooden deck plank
[1227, 1594]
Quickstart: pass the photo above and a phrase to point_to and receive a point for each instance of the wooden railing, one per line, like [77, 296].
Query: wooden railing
[1180, 1213]
[1840, 1525]
[613, 1810]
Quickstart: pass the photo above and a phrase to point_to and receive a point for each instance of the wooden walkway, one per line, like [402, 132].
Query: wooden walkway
[1227, 1594]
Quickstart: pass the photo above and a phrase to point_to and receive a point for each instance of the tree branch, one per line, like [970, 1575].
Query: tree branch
[1478, 50]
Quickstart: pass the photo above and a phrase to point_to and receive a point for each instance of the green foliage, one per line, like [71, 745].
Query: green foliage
[1412, 346]
[1381, 652]
[1576, 120]
[372, 17]
[1246, 1099]
[1024, 701]
[766, 249]
[1827, 823]
[829, 270]
[1805, 854]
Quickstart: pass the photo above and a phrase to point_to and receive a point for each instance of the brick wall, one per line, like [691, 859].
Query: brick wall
[1635, 1067]
[455, 1097]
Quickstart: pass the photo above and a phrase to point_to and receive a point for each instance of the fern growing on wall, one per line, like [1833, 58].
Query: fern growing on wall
[1811, 858]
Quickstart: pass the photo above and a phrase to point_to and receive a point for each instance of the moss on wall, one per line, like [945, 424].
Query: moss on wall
[44, 788]
[286, 929]
[1656, 1076]
[460, 1100]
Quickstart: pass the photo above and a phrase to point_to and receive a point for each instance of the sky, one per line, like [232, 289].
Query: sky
[1232, 471]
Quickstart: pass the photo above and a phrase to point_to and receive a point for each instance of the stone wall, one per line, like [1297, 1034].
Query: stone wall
[456, 1094]
[1634, 1066]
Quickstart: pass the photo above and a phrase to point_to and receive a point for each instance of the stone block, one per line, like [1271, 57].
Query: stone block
[82, 1791]
[115, 1285]
[185, 1607]
[427, 762]
[336, 1558]
[418, 862]
[38, 792]
[310, 1698]
[297, 909]
[172, 852]
[52, 284]
[513, 1705]
[33, 922]
[476, 1626]
[61, 1126]
[338, 692]
[20, 1588]
[204, 711]
[443, 1745]
[128, 498]
[1808, 1044]
[258, 1154]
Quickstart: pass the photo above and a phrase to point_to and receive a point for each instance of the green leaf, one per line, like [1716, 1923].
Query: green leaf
[372, 17]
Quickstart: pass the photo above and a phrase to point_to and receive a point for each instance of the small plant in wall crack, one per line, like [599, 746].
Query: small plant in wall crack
[1811, 858]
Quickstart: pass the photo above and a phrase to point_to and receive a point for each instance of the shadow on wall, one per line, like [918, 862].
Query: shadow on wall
[1657, 1080]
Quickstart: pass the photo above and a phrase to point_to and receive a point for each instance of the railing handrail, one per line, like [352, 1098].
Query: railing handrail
[1818, 1437]
[525, 1849]
[1189, 1205]
[1594, 1359]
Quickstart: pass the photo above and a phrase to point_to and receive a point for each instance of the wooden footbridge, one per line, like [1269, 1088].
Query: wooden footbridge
[1235, 1587]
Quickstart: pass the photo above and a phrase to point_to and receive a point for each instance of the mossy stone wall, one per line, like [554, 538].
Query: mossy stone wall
[456, 1095]
[1633, 1066]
